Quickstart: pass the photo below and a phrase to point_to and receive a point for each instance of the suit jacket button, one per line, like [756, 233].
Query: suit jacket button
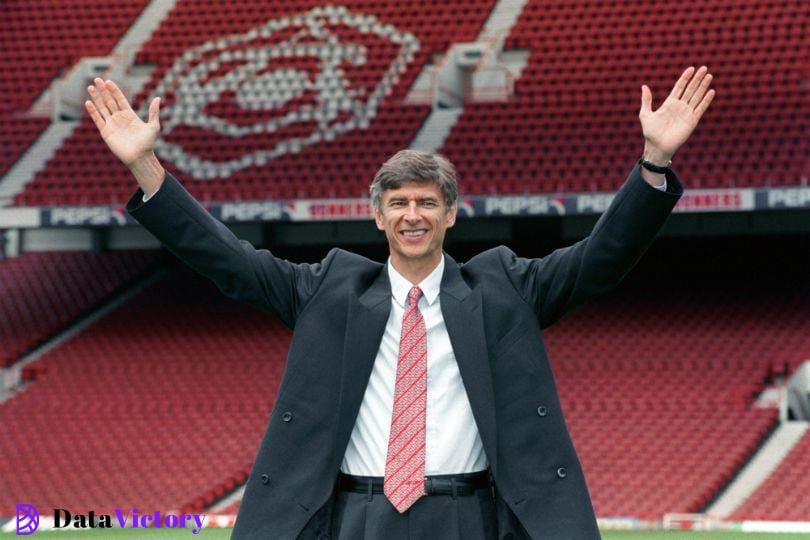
[542, 411]
[265, 479]
[287, 416]
[561, 472]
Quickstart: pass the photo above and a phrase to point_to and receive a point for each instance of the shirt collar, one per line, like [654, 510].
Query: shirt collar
[400, 287]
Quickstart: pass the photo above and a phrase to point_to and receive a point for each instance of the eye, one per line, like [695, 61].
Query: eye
[429, 204]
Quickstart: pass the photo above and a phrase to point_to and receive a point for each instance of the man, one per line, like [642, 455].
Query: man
[417, 400]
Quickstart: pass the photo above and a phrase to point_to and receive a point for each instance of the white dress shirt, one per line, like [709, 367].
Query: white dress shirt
[452, 442]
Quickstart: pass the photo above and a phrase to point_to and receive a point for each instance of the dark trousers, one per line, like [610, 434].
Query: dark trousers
[360, 516]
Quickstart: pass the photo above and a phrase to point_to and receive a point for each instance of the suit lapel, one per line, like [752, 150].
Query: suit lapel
[365, 325]
[463, 316]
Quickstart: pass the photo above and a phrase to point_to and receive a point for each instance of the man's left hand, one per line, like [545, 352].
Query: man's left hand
[667, 128]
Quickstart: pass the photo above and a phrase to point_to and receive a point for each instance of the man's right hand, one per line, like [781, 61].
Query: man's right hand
[131, 139]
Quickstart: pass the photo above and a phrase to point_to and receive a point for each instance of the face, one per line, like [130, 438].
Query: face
[415, 218]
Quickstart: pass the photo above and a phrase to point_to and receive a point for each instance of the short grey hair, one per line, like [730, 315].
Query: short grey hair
[415, 166]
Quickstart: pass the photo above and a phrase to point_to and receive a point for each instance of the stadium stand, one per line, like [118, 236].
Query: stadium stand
[158, 405]
[83, 172]
[786, 493]
[659, 401]
[572, 124]
[40, 293]
[576, 97]
[29, 28]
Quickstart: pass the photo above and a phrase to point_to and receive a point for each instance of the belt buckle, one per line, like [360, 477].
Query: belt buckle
[429, 488]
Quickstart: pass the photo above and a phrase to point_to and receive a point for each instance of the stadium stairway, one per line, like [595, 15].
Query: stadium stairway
[142, 29]
[502, 19]
[784, 494]
[768, 459]
[435, 130]
[229, 505]
[440, 122]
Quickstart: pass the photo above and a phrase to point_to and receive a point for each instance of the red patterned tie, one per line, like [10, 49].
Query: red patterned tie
[404, 480]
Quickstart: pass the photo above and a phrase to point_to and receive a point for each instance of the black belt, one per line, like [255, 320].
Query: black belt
[446, 484]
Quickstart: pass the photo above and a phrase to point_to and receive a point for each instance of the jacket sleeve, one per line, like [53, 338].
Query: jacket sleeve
[239, 270]
[565, 278]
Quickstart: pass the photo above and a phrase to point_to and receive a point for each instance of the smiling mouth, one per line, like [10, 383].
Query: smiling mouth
[413, 234]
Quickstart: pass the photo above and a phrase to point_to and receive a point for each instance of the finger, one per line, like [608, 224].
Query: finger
[646, 100]
[112, 106]
[117, 95]
[704, 103]
[694, 83]
[154, 112]
[94, 115]
[699, 94]
[98, 102]
[679, 87]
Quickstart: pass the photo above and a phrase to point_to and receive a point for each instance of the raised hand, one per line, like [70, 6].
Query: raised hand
[131, 139]
[667, 128]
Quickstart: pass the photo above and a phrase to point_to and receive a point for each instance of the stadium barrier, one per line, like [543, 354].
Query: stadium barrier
[695, 201]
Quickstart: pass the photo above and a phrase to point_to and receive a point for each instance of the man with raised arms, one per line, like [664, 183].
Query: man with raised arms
[417, 399]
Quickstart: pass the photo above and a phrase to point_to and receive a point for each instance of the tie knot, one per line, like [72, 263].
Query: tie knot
[414, 295]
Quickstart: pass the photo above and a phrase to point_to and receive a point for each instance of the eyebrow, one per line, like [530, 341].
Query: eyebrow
[428, 198]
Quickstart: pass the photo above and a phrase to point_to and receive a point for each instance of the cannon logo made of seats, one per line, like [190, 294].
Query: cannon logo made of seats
[242, 100]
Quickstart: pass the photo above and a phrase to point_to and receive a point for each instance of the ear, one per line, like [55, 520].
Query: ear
[378, 219]
[451, 215]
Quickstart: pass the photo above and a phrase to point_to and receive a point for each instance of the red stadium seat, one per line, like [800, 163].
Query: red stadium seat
[40, 293]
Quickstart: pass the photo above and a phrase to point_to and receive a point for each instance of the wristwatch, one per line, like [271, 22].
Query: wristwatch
[653, 167]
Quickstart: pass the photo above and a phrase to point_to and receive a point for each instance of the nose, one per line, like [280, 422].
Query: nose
[412, 214]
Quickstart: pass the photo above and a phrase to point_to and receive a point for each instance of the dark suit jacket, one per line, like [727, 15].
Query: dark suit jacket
[494, 307]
